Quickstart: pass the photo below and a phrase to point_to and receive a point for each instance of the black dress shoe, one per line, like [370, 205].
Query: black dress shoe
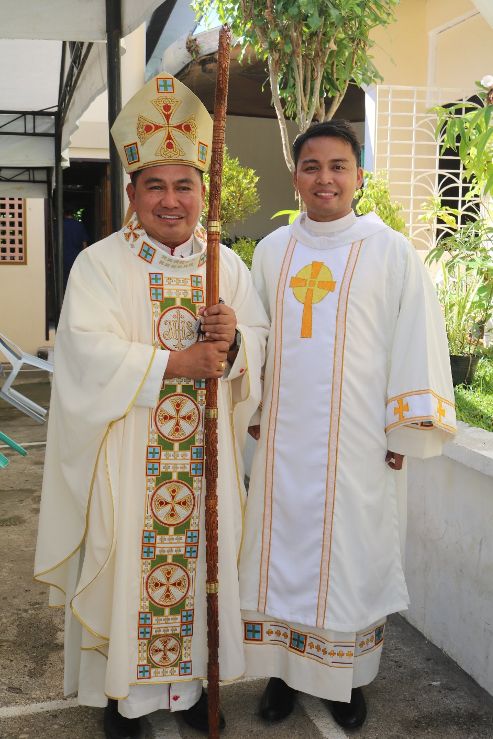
[277, 701]
[350, 715]
[117, 726]
[197, 716]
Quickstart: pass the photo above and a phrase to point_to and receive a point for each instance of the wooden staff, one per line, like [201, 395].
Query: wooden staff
[212, 298]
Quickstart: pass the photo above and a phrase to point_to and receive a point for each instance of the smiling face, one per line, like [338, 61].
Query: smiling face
[168, 200]
[327, 176]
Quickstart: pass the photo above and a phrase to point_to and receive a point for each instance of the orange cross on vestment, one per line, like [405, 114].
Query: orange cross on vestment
[440, 411]
[311, 285]
[169, 147]
[400, 409]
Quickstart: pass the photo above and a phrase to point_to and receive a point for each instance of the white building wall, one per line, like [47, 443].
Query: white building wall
[449, 553]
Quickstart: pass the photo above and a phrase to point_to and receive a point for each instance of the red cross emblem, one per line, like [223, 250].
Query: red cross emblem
[169, 147]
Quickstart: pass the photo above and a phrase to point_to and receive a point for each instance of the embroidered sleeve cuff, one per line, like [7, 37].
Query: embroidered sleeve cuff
[420, 408]
[149, 392]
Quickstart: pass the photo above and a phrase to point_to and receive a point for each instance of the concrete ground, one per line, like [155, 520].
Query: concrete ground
[419, 692]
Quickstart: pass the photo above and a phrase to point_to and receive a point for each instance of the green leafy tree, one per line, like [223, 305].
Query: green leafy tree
[239, 195]
[245, 247]
[375, 197]
[313, 50]
[470, 133]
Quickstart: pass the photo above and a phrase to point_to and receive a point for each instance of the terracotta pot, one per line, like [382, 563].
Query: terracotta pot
[463, 367]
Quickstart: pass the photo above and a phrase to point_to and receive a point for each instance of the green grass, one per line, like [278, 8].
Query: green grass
[475, 403]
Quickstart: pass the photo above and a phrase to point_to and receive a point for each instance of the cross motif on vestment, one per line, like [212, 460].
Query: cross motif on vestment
[400, 409]
[440, 411]
[311, 285]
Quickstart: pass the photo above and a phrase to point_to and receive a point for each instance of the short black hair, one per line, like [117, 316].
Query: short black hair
[134, 175]
[340, 129]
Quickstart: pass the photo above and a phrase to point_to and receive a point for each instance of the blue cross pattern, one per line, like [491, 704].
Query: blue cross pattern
[153, 452]
[192, 537]
[156, 278]
[186, 629]
[298, 641]
[149, 537]
[165, 85]
[153, 468]
[253, 631]
[197, 452]
[185, 668]
[202, 152]
[199, 384]
[143, 671]
[187, 616]
[196, 469]
[145, 618]
[156, 293]
[144, 632]
[148, 552]
[197, 296]
[191, 551]
[147, 252]
[196, 281]
[132, 153]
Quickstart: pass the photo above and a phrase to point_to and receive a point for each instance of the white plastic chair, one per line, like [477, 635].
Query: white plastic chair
[17, 359]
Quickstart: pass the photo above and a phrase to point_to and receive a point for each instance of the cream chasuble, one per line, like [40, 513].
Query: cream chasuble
[121, 534]
[357, 363]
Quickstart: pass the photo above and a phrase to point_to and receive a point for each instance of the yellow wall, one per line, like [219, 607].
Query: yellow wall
[22, 289]
[464, 54]
[445, 43]
[439, 12]
[400, 51]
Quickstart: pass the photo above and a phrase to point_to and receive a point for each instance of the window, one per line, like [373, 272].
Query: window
[12, 233]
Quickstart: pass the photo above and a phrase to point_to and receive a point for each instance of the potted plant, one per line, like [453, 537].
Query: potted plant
[466, 309]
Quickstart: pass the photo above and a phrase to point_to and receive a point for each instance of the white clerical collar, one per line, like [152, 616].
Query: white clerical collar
[326, 228]
[334, 234]
[183, 250]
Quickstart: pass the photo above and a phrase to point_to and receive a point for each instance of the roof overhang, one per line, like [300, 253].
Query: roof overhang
[249, 90]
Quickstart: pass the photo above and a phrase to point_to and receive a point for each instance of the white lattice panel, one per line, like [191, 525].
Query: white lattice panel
[407, 153]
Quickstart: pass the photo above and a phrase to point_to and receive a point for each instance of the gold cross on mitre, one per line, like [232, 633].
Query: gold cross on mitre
[169, 146]
[311, 285]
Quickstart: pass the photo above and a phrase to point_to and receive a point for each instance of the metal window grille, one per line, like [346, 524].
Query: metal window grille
[407, 153]
[12, 231]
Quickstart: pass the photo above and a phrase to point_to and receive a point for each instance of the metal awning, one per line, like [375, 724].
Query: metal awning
[48, 50]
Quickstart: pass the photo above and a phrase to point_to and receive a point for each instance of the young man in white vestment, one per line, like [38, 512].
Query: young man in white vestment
[357, 376]
[121, 535]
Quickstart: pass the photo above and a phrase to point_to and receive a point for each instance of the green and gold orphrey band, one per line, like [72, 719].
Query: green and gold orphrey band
[174, 474]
